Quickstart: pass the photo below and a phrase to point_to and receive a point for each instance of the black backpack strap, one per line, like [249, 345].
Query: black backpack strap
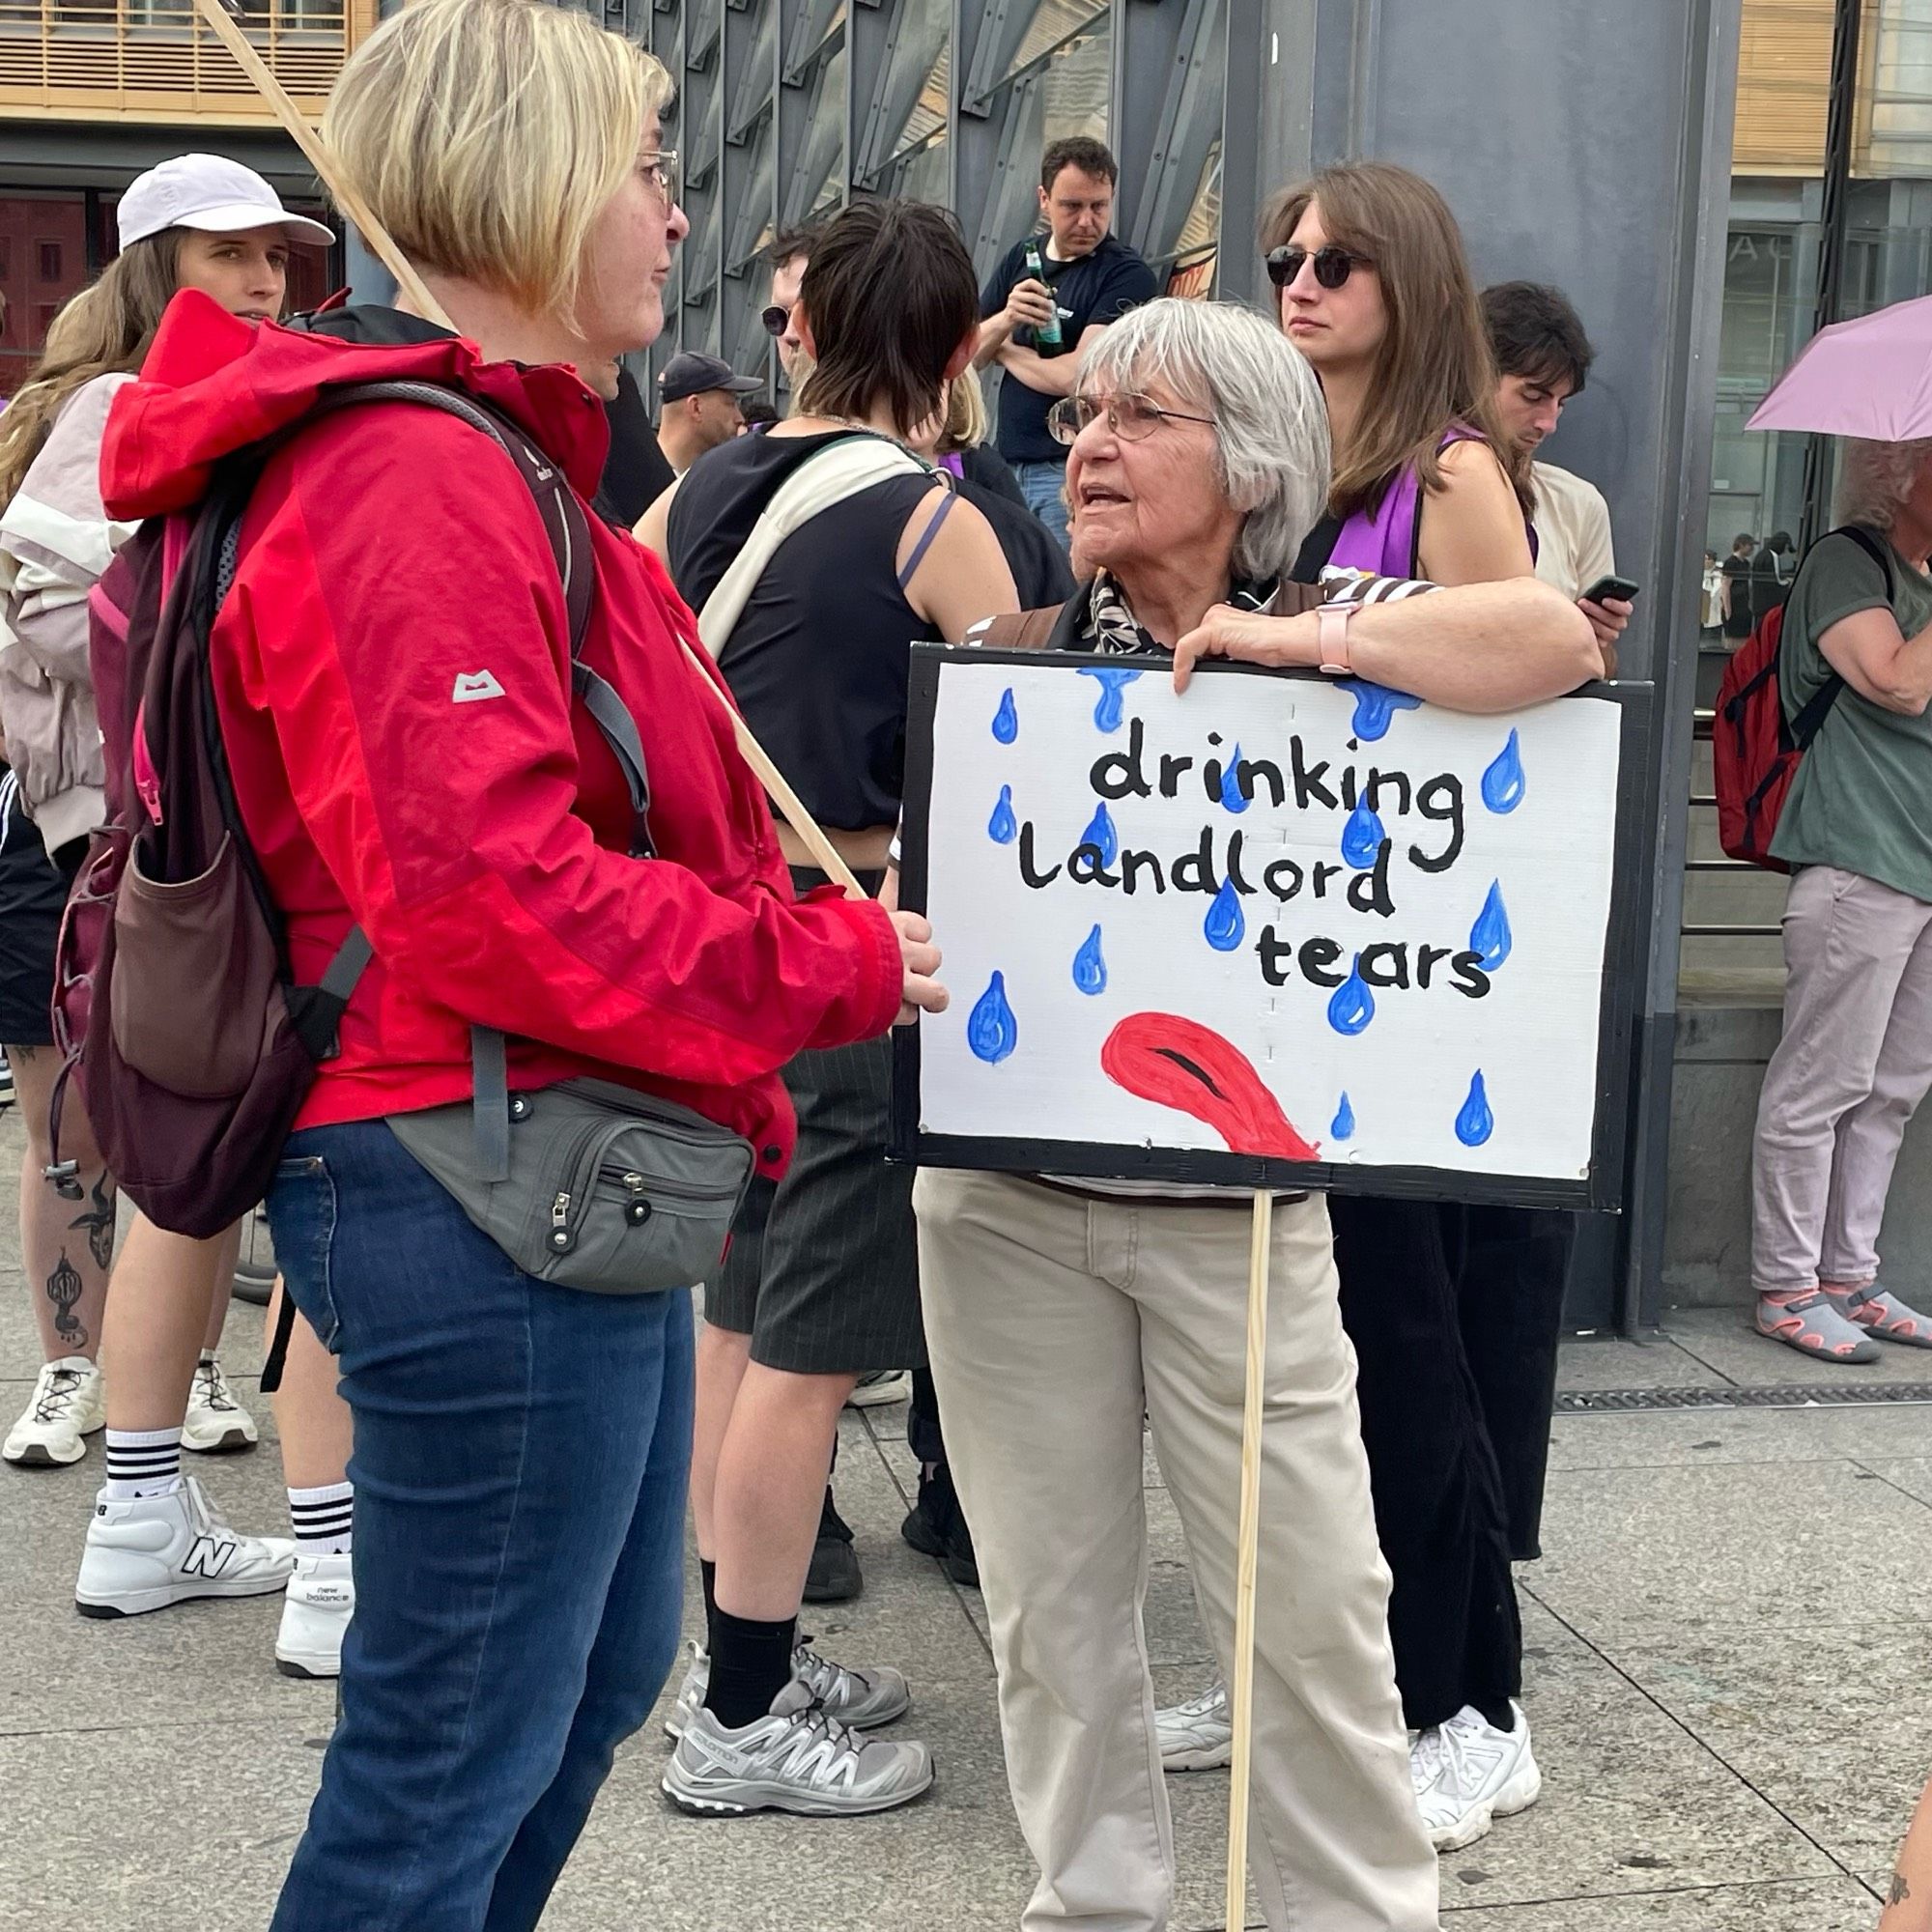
[1810, 720]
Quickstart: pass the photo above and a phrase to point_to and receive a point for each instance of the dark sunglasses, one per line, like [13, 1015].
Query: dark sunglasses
[775, 319]
[1333, 265]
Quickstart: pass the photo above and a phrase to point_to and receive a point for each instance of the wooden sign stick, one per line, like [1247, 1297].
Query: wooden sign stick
[810, 833]
[1241, 1692]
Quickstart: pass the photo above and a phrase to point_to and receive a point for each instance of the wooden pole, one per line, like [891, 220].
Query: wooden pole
[1242, 1693]
[810, 833]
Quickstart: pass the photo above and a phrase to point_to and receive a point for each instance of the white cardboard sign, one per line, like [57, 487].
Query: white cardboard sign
[1293, 919]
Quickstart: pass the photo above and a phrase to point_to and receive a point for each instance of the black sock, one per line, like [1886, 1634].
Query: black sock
[1501, 1716]
[750, 1663]
[707, 1573]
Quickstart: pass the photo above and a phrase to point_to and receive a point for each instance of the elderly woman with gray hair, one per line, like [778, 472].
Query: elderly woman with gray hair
[1855, 1056]
[1057, 1313]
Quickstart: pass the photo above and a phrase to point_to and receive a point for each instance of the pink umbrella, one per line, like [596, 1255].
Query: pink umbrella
[1869, 378]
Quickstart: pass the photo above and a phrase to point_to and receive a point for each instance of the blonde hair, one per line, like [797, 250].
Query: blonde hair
[488, 135]
[103, 330]
[965, 415]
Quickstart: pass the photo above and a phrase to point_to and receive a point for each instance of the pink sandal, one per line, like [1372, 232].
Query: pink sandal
[1814, 1324]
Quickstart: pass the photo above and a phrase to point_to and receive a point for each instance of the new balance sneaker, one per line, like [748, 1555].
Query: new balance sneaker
[215, 1421]
[881, 1388]
[1197, 1735]
[1467, 1774]
[936, 1526]
[798, 1758]
[66, 1406]
[861, 1700]
[834, 1576]
[157, 1550]
[319, 1601]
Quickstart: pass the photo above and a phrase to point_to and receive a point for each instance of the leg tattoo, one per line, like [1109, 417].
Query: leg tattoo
[64, 1290]
[98, 1221]
[1900, 1890]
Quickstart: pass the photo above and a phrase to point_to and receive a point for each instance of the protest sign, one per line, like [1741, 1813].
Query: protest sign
[1280, 930]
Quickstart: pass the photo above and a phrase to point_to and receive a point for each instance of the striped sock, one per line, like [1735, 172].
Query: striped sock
[323, 1518]
[143, 1463]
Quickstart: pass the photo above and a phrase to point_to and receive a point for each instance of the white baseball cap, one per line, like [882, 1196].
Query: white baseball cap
[213, 194]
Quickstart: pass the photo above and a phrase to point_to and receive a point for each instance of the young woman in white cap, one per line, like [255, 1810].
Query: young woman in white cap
[203, 222]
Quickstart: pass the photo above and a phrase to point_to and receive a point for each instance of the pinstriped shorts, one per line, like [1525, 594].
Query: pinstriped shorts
[823, 1272]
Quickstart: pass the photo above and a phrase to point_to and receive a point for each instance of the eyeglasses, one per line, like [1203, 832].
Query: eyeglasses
[1132, 418]
[661, 171]
[776, 318]
[1333, 265]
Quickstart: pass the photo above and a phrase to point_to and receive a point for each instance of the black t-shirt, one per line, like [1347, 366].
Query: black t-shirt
[1737, 572]
[637, 472]
[1095, 289]
[1041, 574]
[818, 661]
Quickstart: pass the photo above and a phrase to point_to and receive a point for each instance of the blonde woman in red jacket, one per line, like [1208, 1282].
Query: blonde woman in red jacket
[393, 680]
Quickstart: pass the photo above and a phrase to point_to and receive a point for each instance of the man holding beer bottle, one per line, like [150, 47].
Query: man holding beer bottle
[1050, 296]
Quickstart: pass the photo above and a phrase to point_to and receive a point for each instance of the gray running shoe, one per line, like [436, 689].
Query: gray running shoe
[861, 1700]
[796, 1759]
[1881, 1313]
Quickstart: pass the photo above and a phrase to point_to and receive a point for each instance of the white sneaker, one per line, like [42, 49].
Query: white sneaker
[861, 1700]
[66, 1405]
[215, 1421]
[1197, 1735]
[881, 1388]
[157, 1550]
[315, 1618]
[1467, 1774]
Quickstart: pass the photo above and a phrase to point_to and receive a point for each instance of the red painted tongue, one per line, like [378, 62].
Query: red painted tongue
[1180, 1064]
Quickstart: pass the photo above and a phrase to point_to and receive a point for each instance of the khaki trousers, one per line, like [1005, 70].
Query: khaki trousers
[1051, 1320]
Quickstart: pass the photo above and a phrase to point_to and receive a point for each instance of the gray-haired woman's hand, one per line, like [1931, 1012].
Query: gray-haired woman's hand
[1249, 635]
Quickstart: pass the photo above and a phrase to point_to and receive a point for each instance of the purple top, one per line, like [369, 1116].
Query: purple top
[1386, 543]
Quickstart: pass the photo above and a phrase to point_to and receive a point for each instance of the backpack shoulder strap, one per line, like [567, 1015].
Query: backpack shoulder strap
[824, 478]
[1018, 630]
[1810, 720]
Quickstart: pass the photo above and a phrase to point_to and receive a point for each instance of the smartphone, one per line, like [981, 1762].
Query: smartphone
[1622, 587]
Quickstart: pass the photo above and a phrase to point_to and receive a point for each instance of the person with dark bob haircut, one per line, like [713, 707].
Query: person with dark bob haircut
[821, 1284]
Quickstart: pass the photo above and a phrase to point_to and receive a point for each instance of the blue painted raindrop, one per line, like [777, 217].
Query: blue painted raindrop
[1490, 938]
[1351, 1006]
[1342, 1127]
[1006, 718]
[1233, 797]
[1113, 680]
[1475, 1123]
[1002, 825]
[1090, 968]
[1375, 705]
[991, 1030]
[1226, 925]
[1362, 837]
[1101, 836]
[1503, 784]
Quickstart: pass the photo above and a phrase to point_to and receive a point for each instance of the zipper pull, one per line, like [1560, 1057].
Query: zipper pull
[559, 1222]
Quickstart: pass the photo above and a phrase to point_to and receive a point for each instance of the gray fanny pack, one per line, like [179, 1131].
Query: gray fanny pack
[586, 1183]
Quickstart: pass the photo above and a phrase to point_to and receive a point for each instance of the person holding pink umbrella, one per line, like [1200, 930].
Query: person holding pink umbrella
[1855, 1055]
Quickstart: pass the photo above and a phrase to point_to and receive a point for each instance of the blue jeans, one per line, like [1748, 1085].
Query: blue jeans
[1045, 487]
[522, 1455]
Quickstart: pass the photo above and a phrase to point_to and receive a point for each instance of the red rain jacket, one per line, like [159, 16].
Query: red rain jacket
[390, 557]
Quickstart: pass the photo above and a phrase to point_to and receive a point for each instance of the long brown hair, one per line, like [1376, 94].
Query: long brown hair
[105, 330]
[1433, 369]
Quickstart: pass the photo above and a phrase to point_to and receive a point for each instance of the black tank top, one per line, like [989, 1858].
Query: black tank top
[818, 659]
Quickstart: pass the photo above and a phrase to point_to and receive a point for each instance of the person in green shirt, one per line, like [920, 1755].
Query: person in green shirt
[1856, 1056]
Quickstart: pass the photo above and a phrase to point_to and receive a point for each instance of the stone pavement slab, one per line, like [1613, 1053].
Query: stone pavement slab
[1724, 1341]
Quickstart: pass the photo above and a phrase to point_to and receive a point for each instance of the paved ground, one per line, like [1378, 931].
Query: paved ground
[1729, 1649]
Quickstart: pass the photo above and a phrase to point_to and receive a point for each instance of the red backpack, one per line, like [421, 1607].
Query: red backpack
[1754, 752]
[174, 1000]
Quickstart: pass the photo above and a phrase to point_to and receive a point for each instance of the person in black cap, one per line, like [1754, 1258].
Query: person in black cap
[700, 395]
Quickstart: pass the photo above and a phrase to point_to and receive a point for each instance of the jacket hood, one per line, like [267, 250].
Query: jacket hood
[212, 383]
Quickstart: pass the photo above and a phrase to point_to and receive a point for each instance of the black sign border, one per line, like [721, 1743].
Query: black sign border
[1204, 1167]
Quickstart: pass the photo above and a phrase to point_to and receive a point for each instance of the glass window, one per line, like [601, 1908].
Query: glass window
[50, 261]
[1077, 84]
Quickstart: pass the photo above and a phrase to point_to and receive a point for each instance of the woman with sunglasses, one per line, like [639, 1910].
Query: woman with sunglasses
[1376, 293]
[1374, 290]
[1057, 1310]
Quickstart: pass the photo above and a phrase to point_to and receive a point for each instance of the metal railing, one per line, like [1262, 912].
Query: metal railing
[156, 60]
[1700, 729]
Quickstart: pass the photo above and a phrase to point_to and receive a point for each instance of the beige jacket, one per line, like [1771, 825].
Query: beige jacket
[55, 541]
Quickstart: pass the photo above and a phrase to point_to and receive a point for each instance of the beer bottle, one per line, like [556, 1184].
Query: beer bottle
[1046, 333]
